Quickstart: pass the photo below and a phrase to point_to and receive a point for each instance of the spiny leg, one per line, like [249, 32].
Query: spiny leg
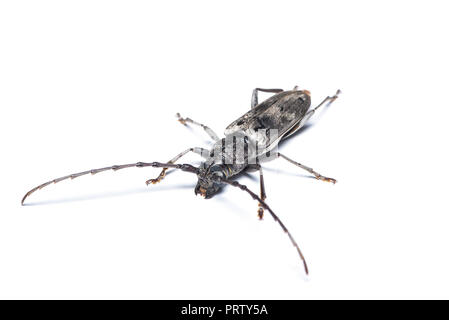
[208, 130]
[316, 174]
[183, 167]
[275, 217]
[200, 151]
[255, 96]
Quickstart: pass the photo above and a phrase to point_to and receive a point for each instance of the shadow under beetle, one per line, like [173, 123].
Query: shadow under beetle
[248, 141]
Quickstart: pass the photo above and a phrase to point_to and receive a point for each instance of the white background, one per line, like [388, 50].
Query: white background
[88, 84]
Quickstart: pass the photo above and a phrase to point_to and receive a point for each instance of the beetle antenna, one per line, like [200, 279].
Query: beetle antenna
[275, 217]
[183, 167]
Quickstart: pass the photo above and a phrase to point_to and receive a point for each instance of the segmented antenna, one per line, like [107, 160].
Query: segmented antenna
[183, 167]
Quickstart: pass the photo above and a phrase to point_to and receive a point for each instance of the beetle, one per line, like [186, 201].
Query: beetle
[250, 140]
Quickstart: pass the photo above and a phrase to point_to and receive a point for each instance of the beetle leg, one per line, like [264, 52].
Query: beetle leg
[255, 98]
[263, 195]
[316, 174]
[208, 130]
[200, 151]
[328, 98]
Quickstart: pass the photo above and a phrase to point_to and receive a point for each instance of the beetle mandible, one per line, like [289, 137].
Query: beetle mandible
[251, 139]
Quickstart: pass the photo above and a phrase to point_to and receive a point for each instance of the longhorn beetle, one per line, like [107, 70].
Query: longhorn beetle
[248, 141]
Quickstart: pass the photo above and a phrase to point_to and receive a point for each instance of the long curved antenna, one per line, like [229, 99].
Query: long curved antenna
[183, 167]
[275, 217]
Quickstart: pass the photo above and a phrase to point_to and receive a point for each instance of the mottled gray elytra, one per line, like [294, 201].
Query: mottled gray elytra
[250, 140]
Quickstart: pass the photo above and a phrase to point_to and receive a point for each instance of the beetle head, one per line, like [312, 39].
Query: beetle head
[209, 180]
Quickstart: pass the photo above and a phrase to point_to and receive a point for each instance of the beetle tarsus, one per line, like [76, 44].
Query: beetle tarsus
[326, 179]
[335, 96]
[181, 119]
[158, 179]
[260, 212]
